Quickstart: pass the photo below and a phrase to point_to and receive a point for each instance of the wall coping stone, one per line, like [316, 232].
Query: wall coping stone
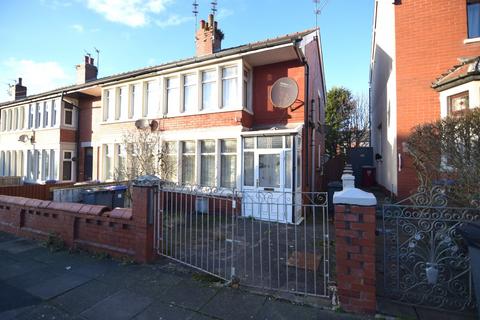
[351, 195]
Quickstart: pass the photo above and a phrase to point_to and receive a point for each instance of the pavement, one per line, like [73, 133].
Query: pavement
[36, 283]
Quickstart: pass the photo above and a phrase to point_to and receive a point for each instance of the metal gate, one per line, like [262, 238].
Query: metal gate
[425, 263]
[206, 229]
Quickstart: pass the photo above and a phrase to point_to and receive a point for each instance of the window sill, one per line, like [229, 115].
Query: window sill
[471, 40]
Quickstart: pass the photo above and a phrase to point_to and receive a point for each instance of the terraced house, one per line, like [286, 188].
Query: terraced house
[247, 117]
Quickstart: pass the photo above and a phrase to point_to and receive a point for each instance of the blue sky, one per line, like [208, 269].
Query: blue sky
[43, 40]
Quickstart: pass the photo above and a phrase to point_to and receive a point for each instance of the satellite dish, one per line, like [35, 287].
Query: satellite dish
[154, 125]
[284, 92]
[23, 138]
[142, 124]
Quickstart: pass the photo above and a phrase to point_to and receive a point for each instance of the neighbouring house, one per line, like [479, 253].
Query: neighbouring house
[424, 66]
[214, 111]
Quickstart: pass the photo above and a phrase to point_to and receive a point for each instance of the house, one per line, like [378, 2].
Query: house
[422, 68]
[247, 117]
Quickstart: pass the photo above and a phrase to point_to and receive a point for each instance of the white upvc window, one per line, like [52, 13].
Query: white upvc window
[15, 119]
[68, 115]
[107, 157]
[229, 86]
[207, 163]
[53, 166]
[53, 121]
[228, 163]
[173, 95]
[7, 164]
[67, 166]
[209, 89]
[2, 163]
[120, 161]
[188, 162]
[190, 96]
[38, 115]
[136, 101]
[13, 164]
[151, 98]
[36, 164]
[45, 114]
[3, 120]
[21, 118]
[109, 105]
[30, 116]
[45, 165]
[246, 96]
[9, 120]
[121, 103]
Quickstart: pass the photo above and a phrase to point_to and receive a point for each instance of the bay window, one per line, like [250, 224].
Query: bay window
[228, 163]
[209, 89]
[229, 86]
[45, 164]
[107, 167]
[170, 163]
[9, 119]
[53, 122]
[38, 115]
[207, 163]
[188, 162]
[36, 165]
[53, 167]
[189, 92]
[151, 96]
[30, 116]
[3, 120]
[106, 105]
[172, 95]
[45, 114]
[135, 101]
[15, 119]
[121, 107]
[120, 162]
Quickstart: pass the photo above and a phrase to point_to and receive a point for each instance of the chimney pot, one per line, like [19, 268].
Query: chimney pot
[210, 20]
[202, 24]
[86, 59]
[19, 81]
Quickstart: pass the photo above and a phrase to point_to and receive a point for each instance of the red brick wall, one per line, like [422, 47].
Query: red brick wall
[67, 135]
[429, 40]
[263, 79]
[230, 118]
[120, 232]
[35, 191]
[355, 258]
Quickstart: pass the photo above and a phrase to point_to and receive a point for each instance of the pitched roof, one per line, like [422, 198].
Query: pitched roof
[467, 71]
[267, 43]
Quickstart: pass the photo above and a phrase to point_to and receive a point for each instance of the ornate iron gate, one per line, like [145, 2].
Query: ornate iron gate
[206, 229]
[425, 263]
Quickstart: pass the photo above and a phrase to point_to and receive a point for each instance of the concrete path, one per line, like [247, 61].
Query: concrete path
[38, 284]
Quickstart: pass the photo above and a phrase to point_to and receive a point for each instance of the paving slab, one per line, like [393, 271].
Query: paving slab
[122, 305]
[45, 311]
[164, 311]
[18, 268]
[233, 304]
[50, 288]
[189, 294]
[33, 277]
[14, 298]
[6, 237]
[14, 313]
[84, 297]
[18, 245]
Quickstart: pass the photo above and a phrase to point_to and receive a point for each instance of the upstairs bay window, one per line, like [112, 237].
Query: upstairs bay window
[30, 116]
[151, 99]
[190, 96]
[209, 89]
[172, 100]
[38, 115]
[9, 119]
[108, 106]
[135, 101]
[54, 113]
[229, 87]
[45, 114]
[3, 120]
[15, 119]
[122, 103]
[207, 163]
[188, 162]
[473, 18]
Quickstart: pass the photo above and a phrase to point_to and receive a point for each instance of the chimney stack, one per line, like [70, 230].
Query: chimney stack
[20, 91]
[87, 71]
[208, 38]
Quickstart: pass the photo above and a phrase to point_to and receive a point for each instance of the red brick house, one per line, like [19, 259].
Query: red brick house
[414, 43]
[215, 112]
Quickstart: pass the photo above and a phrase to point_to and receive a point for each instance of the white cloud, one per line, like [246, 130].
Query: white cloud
[133, 13]
[77, 27]
[173, 20]
[37, 76]
[223, 13]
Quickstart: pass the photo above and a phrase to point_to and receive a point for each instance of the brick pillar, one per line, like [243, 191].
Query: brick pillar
[355, 248]
[143, 210]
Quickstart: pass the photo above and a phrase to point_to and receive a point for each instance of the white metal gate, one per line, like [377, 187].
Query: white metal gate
[204, 228]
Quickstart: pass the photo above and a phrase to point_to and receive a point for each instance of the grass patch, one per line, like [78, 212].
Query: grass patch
[54, 242]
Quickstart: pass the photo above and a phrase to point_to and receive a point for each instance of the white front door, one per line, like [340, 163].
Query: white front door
[267, 191]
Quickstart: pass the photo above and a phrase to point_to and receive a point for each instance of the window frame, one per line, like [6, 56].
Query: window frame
[456, 96]
[229, 78]
[470, 4]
